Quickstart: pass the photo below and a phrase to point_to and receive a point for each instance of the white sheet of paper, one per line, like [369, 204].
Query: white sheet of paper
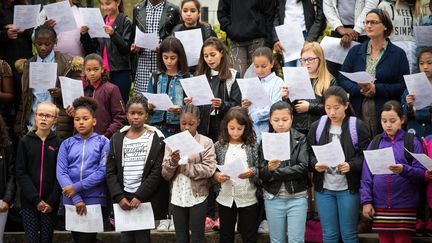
[62, 13]
[146, 40]
[292, 40]
[359, 77]
[141, 218]
[423, 35]
[250, 72]
[3, 219]
[423, 159]
[162, 102]
[379, 160]
[298, 82]
[25, 16]
[71, 89]
[192, 41]
[233, 169]
[253, 90]
[43, 75]
[198, 88]
[92, 222]
[92, 18]
[333, 51]
[330, 154]
[276, 146]
[419, 85]
[185, 143]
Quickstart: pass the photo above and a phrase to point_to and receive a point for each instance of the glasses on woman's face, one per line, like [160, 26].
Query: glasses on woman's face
[45, 116]
[308, 59]
[371, 22]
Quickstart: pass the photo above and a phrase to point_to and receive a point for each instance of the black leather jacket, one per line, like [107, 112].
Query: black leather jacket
[7, 174]
[118, 46]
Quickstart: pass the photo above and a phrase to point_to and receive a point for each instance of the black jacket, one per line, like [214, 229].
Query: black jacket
[247, 20]
[353, 156]
[117, 46]
[314, 20]
[292, 172]
[7, 173]
[28, 170]
[153, 188]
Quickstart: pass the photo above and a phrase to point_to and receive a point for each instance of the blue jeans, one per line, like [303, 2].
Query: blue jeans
[286, 214]
[338, 211]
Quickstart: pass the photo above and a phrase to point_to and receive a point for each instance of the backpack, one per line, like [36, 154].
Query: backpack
[352, 125]
[408, 144]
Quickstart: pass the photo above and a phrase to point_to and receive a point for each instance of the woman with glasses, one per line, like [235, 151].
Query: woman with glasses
[381, 59]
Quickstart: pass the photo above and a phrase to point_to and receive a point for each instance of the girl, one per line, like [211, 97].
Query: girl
[45, 40]
[7, 174]
[337, 187]
[419, 121]
[191, 181]
[237, 141]
[308, 111]
[134, 167]
[81, 164]
[110, 113]
[172, 65]
[285, 182]
[36, 175]
[214, 63]
[391, 200]
[115, 51]
[265, 67]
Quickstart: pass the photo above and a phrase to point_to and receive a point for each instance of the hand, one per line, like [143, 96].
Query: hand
[151, 106]
[135, 48]
[124, 204]
[81, 208]
[134, 203]
[367, 90]
[248, 174]
[344, 167]
[187, 100]
[245, 103]
[284, 92]
[320, 167]
[273, 165]
[70, 110]
[368, 211]
[175, 158]
[84, 30]
[277, 47]
[69, 191]
[221, 177]
[216, 103]
[342, 30]
[50, 22]
[397, 168]
[302, 106]
[55, 92]
[352, 33]
[12, 33]
[175, 110]
[109, 30]
[346, 41]
[41, 206]
[47, 209]
[4, 207]
[410, 98]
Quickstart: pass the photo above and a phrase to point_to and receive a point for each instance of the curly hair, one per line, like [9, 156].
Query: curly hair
[241, 116]
[84, 102]
[138, 99]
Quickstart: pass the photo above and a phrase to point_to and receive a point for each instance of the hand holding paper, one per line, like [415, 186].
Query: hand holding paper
[330, 154]
[146, 40]
[90, 223]
[292, 40]
[92, 18]
[25, 16]
[192, 41]
[419, 85]
[62, 13]
[198, 88]
[298, 82]
[333, 51]
[43, 75]
[185, 143]
[379, 160]
[162, 102]
[141, 218]
[233, 169]
[71, 89]
[252, 90]
[359, 77]
[276, 146]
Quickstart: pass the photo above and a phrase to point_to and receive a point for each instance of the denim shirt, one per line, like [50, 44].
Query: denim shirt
[175, 92]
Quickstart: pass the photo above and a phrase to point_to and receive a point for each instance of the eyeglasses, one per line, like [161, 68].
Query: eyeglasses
[46, 116]
[308, 59]
[371, 22]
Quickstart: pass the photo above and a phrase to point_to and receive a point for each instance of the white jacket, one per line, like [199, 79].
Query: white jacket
[362, 7]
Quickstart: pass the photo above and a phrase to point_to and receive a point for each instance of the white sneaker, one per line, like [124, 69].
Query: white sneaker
[163, 225]
[263, 227]
[171, 225]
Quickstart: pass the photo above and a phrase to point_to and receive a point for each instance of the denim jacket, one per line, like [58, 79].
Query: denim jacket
[175, 92]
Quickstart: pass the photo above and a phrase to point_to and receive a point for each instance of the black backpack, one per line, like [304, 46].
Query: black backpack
[408, 144]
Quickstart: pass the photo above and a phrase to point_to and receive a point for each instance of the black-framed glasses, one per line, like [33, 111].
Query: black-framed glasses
[371, 22]
[46, 116]
[308, 59]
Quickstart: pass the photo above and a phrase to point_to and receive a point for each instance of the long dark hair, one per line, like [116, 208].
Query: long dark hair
[393, 105]
[341, 97]
[242, 117]
[173, 44]
[224, 66]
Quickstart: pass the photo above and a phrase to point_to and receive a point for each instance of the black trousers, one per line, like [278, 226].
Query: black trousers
[138, 236]
[38, 227]
[247, 225]
[189, 218]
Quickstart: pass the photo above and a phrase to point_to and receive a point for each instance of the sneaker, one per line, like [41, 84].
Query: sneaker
[163, 225]
[216, 225]
[263, 227]
[171, 227]
[209, 223]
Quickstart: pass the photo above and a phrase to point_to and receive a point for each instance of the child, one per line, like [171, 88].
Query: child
[45, 40]
[134, 167]
[191, 181]
[6, 94]
[391, 200]
[214, 63]
[308, 111]
[237, 141]
[7, 174]
[36, 175]
[337, 188]
[172, 65]
[116, 49]
[285, 182]
[81, 164]
[265, 67]
[110, 113]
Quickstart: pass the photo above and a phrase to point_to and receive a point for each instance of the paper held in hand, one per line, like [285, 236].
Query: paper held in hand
[146, 40]
[62, 13]
[185, 143]
[233, 169]
[91, 222]
[162, 102]
[359, 77]
[419, 85]
[253, 90]
[92, 18]
[71, 90]
[192, 41]
[423, 159]
[298, 82]
[291, 39]
[141, 218]
[379, 160]
[333, 51]
[330, 154]
[43, 75]
[276, 146]
[25, 16]
[198, 88]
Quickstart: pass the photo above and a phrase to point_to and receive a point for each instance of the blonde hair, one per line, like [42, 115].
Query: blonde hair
[417, 7]
[48, 103]
[324, 77]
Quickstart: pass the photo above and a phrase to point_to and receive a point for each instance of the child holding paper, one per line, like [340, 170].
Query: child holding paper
[285, 183]
[190, 181]
[134, 167]
[172, 65]
[337, 187]
[391, 200]
[237, 141]
[36, 175]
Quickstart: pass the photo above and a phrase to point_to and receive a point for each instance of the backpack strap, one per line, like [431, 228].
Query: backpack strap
[154, 81]
[375, 142]
[352, 125]
[409, 145]
[320, 128]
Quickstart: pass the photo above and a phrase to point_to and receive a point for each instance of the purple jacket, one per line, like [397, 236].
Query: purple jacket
[393, 191]
[81, 163]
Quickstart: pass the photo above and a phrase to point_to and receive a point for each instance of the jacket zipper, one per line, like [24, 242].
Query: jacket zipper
[82, 161]
[41, 169]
